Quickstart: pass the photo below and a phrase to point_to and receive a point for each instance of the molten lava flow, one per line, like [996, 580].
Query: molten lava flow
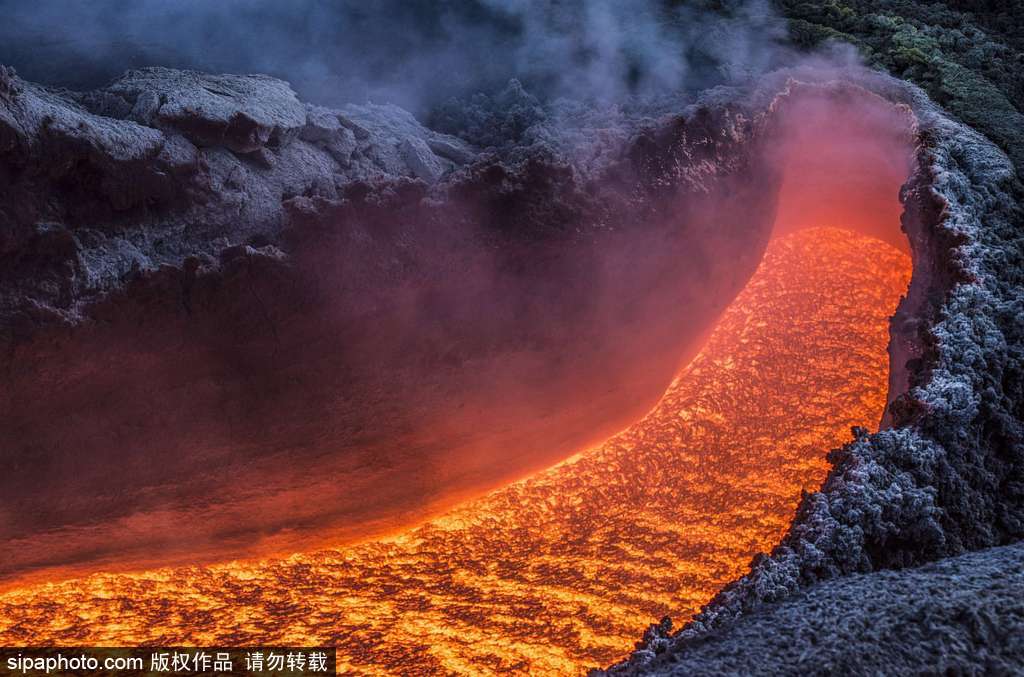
[561, 570]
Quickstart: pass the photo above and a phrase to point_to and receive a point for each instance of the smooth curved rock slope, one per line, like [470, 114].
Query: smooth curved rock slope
[232, 323]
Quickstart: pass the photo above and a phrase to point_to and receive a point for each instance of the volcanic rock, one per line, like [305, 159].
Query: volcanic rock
[962, 615]
[231, 319]
[241, 113]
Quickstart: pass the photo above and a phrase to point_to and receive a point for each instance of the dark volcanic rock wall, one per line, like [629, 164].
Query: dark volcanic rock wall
[948, 476]
[231, 322]
[163, 165]
[962, 615]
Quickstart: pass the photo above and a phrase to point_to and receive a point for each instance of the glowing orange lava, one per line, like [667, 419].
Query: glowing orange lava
[562, 570]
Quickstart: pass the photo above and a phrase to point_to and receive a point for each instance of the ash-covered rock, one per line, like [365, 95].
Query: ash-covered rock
[167, 164]
[243, 113]
[488, 120]
[962, 615]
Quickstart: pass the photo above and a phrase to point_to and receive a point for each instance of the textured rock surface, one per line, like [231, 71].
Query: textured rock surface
[243, 113]
[963, 615]
[163, 165]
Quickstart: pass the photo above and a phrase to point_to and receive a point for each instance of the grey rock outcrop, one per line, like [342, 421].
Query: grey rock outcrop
[963, 615]
[241, 113]
[170, 164]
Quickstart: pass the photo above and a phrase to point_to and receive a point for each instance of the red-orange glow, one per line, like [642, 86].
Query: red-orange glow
[562, 570]
[844, 155]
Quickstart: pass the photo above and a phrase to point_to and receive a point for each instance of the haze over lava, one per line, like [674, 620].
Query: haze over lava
[556, 572]
[400, 346]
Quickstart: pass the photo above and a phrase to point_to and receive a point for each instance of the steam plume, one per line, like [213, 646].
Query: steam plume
[414, 54]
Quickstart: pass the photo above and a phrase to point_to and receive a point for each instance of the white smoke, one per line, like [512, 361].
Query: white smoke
[414, 54]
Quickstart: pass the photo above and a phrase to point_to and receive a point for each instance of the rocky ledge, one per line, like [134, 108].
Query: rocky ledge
[962, 615]
[162, 165]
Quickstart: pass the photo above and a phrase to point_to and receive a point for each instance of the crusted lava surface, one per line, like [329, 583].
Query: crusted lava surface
[550, 575]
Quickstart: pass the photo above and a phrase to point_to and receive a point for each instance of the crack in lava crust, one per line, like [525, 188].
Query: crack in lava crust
[556, 572]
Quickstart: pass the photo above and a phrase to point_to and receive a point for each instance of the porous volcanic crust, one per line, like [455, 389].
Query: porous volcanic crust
[962, 615]
[948, 476]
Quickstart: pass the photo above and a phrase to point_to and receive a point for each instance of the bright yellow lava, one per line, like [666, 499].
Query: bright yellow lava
[563, 570]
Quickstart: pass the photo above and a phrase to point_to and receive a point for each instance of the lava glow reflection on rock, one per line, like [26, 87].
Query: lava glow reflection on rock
[562, 570]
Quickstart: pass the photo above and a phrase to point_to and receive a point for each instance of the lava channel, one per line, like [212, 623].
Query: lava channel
[562, 570]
